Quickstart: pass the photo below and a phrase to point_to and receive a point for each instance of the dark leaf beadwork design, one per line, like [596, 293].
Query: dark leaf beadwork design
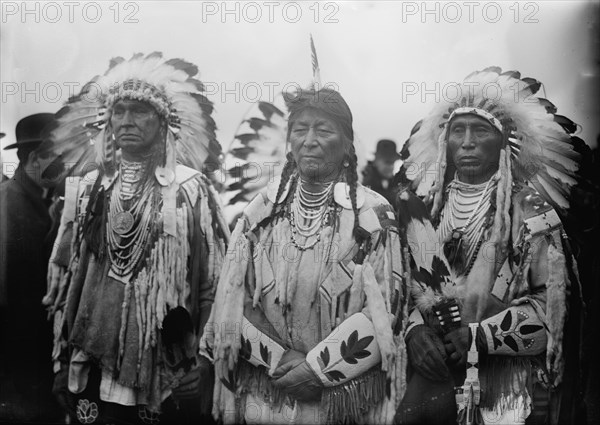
[354, 348]
[325, 356]
[510, 341]
[246, 348]
[506, 322]
[350, 351]
[335, 375]
[264, 353]
[529, 329]
[493, 331]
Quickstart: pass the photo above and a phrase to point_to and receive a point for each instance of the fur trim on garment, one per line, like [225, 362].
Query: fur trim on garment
[426, 298]
[556, 311]
[380, 317]
[227, 325]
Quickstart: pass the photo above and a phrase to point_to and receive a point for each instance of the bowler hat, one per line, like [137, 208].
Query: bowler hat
[29, 130]
[387, 149]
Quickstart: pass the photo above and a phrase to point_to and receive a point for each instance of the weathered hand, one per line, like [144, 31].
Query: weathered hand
[289, 360]
[299, 381]
[426, 353]
[54, 277]
[456, 344]
[191, 384]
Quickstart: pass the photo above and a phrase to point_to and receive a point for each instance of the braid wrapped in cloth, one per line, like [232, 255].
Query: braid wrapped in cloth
[340, 303]
[518, 281]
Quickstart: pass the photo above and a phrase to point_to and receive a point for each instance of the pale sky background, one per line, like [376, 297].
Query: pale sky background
[371, 53]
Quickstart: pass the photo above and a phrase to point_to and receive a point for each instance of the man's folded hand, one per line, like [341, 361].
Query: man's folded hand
[190, 386]
[426, 353]
[294, 376]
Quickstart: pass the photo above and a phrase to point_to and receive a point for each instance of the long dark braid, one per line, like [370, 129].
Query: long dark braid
[288, 170]
[352, 180]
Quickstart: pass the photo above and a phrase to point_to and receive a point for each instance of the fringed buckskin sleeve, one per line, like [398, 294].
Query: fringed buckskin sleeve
[517, 331]
[367, 348]
[545, 285]
[368, 316]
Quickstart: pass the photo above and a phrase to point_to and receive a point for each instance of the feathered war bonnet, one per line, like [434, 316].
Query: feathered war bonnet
[538, 143]
[83, 139]
[82, 136]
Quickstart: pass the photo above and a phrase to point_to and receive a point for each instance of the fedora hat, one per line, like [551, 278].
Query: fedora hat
[387, 149]
[29, 130]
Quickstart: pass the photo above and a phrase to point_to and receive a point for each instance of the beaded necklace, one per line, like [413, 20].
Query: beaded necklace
[464, 216]
[130, 217]
[309, 213]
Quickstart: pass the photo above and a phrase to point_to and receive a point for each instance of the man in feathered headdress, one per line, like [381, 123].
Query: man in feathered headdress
[492, 276]
[140, 244]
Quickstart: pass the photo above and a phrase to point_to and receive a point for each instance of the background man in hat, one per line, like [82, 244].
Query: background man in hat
[2, 176]
[378, 173]
[25, 372]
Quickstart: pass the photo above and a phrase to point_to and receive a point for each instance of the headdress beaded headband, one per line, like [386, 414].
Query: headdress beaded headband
[479, 112]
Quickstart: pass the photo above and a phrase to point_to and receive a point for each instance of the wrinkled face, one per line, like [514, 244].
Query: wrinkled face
[136, 126]
[385, 166]
[317, 146]
[474, 147]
